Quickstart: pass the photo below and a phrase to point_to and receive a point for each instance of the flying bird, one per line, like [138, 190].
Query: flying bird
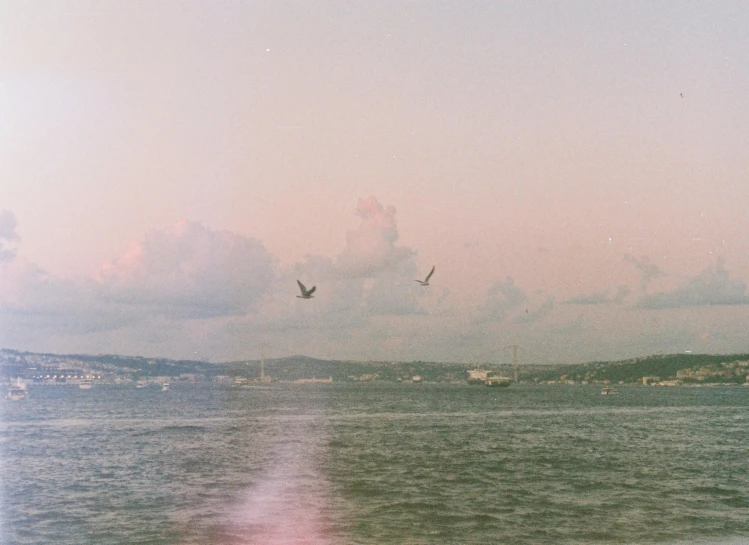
[306, 293]
[425, 282]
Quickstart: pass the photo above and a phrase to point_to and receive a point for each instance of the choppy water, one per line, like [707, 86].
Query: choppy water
[375, 464]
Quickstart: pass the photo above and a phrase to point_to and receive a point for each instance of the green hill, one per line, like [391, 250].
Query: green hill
[716, 368]
[685, 367]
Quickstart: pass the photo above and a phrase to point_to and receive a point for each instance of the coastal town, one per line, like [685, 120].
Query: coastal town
[672, 370]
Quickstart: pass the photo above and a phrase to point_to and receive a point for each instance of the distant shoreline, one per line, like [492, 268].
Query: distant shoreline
[663, 370]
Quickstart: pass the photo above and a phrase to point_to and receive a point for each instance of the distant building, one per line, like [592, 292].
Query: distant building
[364, 378]
[314, 380]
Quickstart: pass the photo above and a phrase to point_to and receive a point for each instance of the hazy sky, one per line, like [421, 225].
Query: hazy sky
[578, 172]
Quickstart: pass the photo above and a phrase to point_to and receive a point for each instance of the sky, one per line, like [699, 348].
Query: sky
[577, 173]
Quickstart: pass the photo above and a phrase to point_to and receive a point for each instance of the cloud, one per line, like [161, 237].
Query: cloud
[32, 299]
[531, 316]
[314, 268]
[187, 271]
[600, 298]
[27, 287]
[36, 304]
[352, 302]
[176, 289]
[596, 298]
[648, 271]
[8, 236]
[191, 271]
[394, 292]
[712, 286]
[502, 297]
[622, 292]
[371, 277]
[572, 326]
[371, 247]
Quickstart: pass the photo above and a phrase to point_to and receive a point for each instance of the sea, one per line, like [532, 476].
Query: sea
[375, 463]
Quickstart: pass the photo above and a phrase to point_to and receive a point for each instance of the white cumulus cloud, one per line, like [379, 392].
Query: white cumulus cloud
[371, 247]
[191, 271]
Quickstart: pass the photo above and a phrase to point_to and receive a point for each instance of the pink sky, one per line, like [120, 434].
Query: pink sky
[577, 172]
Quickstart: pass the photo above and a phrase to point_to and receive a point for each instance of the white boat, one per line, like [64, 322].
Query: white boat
[141, 383]
[496, 381]
[86, 383]
[487, 378]
[165, 387]
[477, 376]
[607, 389]
[17, 391]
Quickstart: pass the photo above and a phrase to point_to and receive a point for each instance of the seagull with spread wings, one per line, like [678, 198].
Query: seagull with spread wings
[425, 282]
[306, 293]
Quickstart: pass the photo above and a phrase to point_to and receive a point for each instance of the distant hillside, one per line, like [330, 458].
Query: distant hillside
[300, 367]
[17, 362]
[685, 367]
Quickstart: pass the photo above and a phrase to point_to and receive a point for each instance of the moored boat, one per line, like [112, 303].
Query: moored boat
[607, 389]
[17, 391]
[86, 383]
[484, 377]
[497, 381]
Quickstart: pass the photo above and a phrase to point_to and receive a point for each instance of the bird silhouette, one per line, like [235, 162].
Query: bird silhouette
[425, 282]
[306, 293]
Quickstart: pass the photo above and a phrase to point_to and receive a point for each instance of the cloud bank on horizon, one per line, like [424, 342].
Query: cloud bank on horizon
[190, 290]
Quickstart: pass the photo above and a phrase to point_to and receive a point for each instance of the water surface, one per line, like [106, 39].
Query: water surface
[375, 464]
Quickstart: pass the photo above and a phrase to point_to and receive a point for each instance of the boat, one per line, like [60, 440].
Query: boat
[484, 377]
[165, 387]
[607, 389]
[17, 391]
[497, 381]
[141, 383]
[86, 383]
[477, 376]
[416, 379]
